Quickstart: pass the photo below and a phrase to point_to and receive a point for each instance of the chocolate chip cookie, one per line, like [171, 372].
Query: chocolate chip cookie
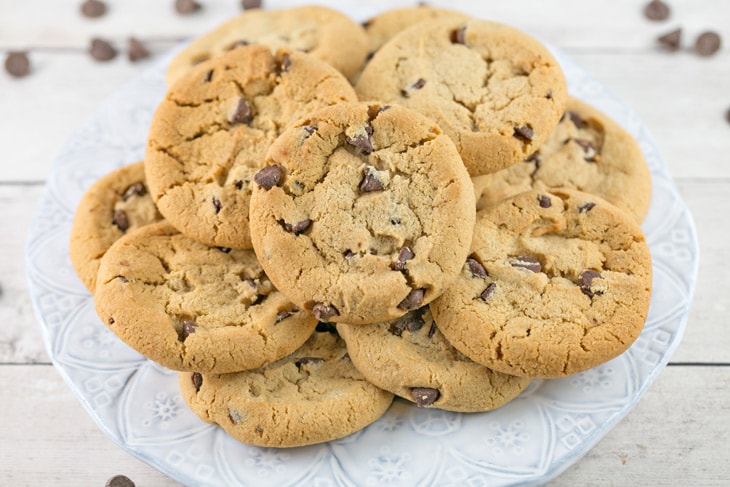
[114, 205]
[588, 151]
[311, 396]
[497, 92]
[188, 306]
[362, 213]
[211, 133]
[558, 281]
[411, 358]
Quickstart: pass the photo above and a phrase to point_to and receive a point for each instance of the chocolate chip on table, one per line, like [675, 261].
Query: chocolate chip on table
[370, 181]
[185, 7]
[102, 50]
[93, 8]
[424, 396]
[524, 133]
[249, 4]
[136, 50]
[488, 291]
[526, 262]
[413, 300]
[458, 36]
[242, 113]
[671, 40]
[119, 481]
[268, 177]
[707, 43]
[544, 201]
[656, 10]
[17, 64]
[476, 268]
[404, 255]
[323, 312]
[120, 220]
[585, 280]
[197, 380]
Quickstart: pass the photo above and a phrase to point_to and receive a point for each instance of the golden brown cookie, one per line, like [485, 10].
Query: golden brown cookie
[114, 205]
[411, 358]
[211, 133]
[497, 92]
[362, 213]
[588, 151]
[558, 281]
[311, 396]
[188, 306]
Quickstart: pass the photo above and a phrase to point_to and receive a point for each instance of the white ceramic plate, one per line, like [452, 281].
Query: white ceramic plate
[532, 439]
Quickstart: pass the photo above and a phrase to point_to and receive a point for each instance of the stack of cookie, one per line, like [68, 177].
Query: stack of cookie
[302, 249]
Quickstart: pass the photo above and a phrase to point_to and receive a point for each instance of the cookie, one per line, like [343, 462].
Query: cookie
[557, 282]
[211, 133]
[411, 358]
[588, 151]
[311, 396]
[362, 213]
[191, 307]
[497, 92]
[114, 205]
[319, 31]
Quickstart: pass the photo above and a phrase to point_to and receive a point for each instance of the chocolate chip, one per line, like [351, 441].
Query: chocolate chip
[707, 44]
[656, 10]
[375, 110]
[282, 315]
[458, 36]
[297, 228]
[488, 291]
[93, 9]
[310, 130]
[549, 94]
[526, 262]
[591, 155]
[323, 327]
[238, 184]
[727, 115]
[225, 250]
[122, 279]
[111, 321]
[120, 220]
[410, 322]
[424, 396]
[544, 201]
[432, 330]
[136, 189]
[413, 300]
[362, 141]
[188, 327]
[102, 50]
[136, 50]
[268, 177]
[17, 64]
[242, 113]
[217, 205]
[585, 207]
[308, 360]
[585, 280]
[185, 7]
[395, 221]
[238, 43]
[323, 312]
[249, 4]
[671, 40]
[119, 481]
[420, 83]
[524, 133]
[404, 255]
[208, 76]
[285, 64]
[347, 254]
[575, 118]
[476, 268]
[197, 380]
[370, 181]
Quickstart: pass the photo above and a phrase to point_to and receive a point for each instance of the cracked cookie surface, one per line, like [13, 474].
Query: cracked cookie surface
[188, 306]
[588, 151]
[362, 213]
[497, 92]
[211, 133]
[411, 358]
[114, 205]
[322, 32]
[311, 396]
[558, 281]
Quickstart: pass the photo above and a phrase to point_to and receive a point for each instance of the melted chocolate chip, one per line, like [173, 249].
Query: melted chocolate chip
[242, 114]
[93, 9]
[707, 43]
[585, 280]
[576, 119]
[197, 381]
[136, 50]
[217, 205]
[268, 177]
[308, 360]
[362, 141]
[424, 396]
[102, 50]
[458, 36]
[526, 262]
[120, 220]
[544, 201]
[370, 181]
[136, 189]
[656, 10]
[297, 228]
[282, 315]
[185, 7]
[404, 255]
[524, 133]
[323, 312]
[476, 268]
[413, 300]
[585, 207]
[671, 40]
[17, 64]
[188, 327]
[488, 291]
[410, 322]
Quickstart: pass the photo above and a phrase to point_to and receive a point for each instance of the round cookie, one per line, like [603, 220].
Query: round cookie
[362, 213]
[211, 133]
[497, 92]
[191, 307]
[588, 151]
[411, 358]
[558, 281]
[114, 205]
[322, 32]
[311, 396]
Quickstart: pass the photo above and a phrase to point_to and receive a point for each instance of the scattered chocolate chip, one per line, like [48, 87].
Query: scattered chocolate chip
[585, 280]
[410, 322]
[242, 113]
[585, 207]
[413, 300]
[458, 36]
[707, 43]
[370, 181]
[526, 262]
[93, 9]
[136, 189]
[323, 327]
[671, 40]
[188, 327]
[136, 50]
[249, 4]
[197, 380]
[119, 481]
[656, 10]
[285, 63]
[404, 255]
[282, 315]
[591, 155]
[544, 201]
[535, 157]
[362, 142]
[102, 50]
[268, 177]
[424, 396]
[185, 7]
[217, 205]
[524, 133]
[576, 119]
[476, 268]
[323, 312]
[120, 220]
[488, 291]
[297, 228]
[17, 64]
[308, 360]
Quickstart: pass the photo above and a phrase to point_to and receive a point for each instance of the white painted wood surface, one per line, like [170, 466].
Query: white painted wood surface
[677, 435]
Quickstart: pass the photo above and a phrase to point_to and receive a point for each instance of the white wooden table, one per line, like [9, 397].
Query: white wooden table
[679, 434]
